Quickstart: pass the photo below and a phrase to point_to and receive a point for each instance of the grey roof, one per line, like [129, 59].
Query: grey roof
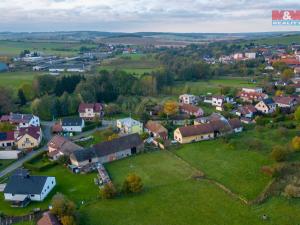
[108, 147]
[76, 121]
[22, 183]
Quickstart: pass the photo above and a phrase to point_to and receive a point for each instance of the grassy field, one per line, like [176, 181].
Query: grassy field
[14, 48]
[16, 79]
[285, 40]
[171, 196]
[137, 64]
[5, 162]
[211, 86]
[77, 187]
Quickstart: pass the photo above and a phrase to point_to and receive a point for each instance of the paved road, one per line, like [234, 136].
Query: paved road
[47, 136]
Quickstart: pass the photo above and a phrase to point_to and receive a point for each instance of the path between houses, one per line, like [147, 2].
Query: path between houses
[201, 175]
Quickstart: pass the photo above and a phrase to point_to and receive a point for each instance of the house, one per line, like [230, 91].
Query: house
[285, 101]
[90, 111]
[251, 90]
[28, 137]
[238, 56]
[72, 124]
[7, 139]
[23, 188]
[266, 106]
[235, 125]
[191, 110]
[297, 70]
[156, 130]
[250, 55]
[129, 126]
[218, 101]
[59, 146]
[21, 120]
[108, 151]
[247, 111]
[188, 99]
[251, 96]
[208, 119]
[193, 133]
[48, 219]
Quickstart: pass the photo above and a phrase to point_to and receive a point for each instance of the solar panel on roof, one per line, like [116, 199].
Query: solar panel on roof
[3, 136]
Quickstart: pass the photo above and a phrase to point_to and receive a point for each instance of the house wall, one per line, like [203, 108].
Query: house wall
[72, 129]
[262, 107]
[217, 102]
[184, 140]
[27, 142]
[4, 144]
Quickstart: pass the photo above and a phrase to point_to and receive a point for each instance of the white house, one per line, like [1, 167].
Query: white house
[75, 124]
[266, 106]
[250, 55]
[22, 120]
[90, 111]
[23, 188]
[188, 99]
[129, 126]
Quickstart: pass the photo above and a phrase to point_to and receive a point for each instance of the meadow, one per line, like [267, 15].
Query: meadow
[15, 79]
[14, 48]
[136, 64]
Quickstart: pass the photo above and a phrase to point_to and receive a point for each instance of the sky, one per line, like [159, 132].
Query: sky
[143, 15]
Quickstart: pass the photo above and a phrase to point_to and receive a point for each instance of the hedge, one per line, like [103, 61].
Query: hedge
[30, 164]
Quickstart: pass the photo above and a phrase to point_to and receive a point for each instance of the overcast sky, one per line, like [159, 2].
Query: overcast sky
[142, 15]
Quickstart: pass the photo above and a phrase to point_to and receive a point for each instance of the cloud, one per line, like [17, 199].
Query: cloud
[140, 15]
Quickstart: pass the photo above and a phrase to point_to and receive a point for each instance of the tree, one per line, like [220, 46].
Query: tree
[297, 114]
[112, 137]
[279, 153]
[287, 74]
[61, 206]
[279, 93]
[170, 108]
[132, 184]
[7, 104]
[5, 127]
[296, 143]
[22, 97]
[28, 91]
[108, 191]
[68, 220]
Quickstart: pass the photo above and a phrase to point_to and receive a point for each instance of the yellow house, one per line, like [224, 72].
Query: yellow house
[29, 138]
[194, 133]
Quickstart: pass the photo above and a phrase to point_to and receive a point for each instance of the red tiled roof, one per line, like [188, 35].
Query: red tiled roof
[97, 107]
[156, 127]
[251, 95]
[34, 132]
[247, 109]
[235, 123]
[196, 130]
[189, 108]
[286, 100]
[48, 219]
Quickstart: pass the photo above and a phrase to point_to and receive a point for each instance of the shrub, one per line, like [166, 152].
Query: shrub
[292, 191]
[296, 143]
[108, 191]
[279, 153]
[68, 220]
[132, 184]
[61, 206]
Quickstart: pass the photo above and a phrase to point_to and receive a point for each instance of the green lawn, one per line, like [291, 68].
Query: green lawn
[285, 40]
[76, 186]
[14, 48]
[210, 86]
[137, 64]
[172, 197]
[5, 162]
[16, 79]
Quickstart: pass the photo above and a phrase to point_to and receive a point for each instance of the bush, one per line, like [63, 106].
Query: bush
[292, 191]
[108, 191]
[132, 184]
[30, 164]
[68, 220]
[296, 143]
[61, 206]
[279, 153]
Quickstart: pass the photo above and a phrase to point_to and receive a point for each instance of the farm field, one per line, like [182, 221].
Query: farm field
[285, 40]
[16, 79]
[211, 86]
[14, 48]
[136, 64]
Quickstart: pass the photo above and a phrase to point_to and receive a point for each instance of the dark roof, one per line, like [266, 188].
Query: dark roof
[220, 126]
[268, 101]
[196, 130]
[34, 132]
[22, 183]
[76, 121]
[108, 147]
[7, 136]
